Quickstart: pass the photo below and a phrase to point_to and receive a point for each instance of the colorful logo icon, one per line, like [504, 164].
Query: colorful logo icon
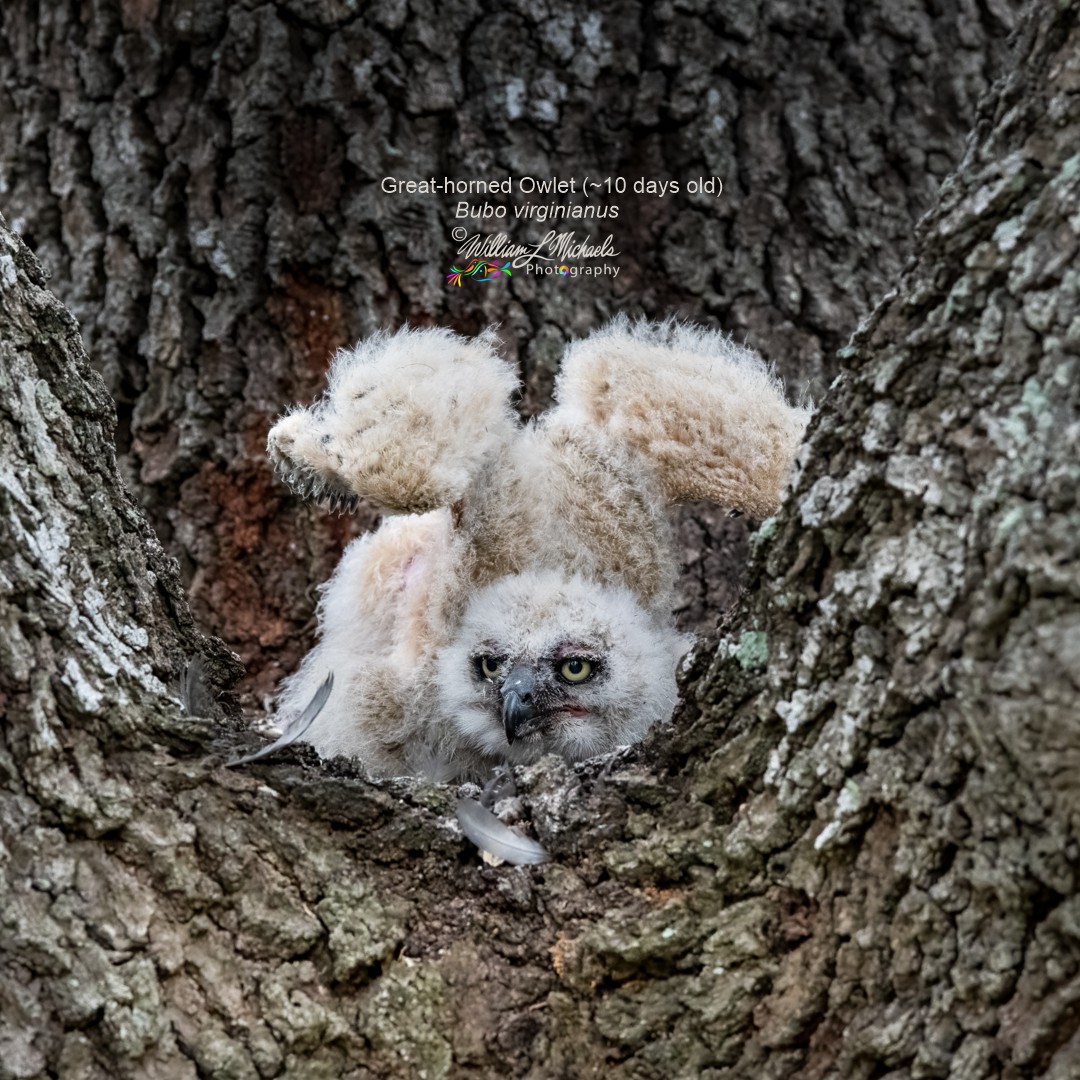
[564, 271]
[478, 270]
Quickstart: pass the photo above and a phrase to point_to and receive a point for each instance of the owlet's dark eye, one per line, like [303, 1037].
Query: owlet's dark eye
[489, 666]
[575, 670]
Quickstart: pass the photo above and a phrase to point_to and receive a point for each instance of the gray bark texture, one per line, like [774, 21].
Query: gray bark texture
[203, 181]
[853, 855]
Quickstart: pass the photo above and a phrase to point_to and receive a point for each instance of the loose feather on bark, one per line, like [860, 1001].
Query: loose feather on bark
[297, 728]
[489, 834]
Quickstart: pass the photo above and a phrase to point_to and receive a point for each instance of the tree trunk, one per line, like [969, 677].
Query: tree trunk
[204, 181]
[853, 856]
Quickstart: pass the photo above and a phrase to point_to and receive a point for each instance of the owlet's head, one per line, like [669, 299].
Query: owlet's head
[543, 663]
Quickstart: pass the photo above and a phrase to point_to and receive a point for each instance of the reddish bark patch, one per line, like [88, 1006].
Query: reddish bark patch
[267, 547]
[310, 317]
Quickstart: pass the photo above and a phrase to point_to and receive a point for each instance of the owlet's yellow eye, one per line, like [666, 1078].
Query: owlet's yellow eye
[575, 669]
[490, 666]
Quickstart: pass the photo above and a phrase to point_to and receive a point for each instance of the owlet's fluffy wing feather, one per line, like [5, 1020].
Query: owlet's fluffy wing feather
[380, 622]
[708, 414]
[406, 420]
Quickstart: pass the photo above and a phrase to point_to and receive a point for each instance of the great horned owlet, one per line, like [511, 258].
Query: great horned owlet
[516, 599]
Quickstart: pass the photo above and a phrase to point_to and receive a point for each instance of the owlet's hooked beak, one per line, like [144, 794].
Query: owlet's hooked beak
[518, 701]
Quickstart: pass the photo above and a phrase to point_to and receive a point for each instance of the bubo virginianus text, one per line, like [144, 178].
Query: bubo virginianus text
[516, 599]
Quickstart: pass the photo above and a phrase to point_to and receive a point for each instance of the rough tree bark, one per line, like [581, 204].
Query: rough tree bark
[203, 181]
[855, 854]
